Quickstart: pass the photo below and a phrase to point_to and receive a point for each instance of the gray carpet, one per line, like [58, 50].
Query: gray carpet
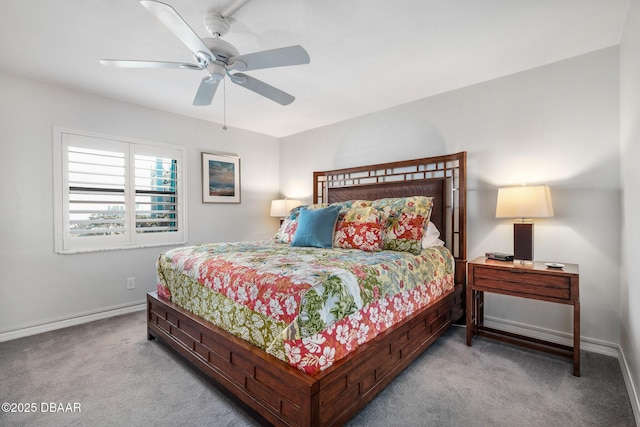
[120, 378]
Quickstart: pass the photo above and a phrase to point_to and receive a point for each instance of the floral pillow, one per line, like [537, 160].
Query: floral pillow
[406, 223]
[404, 233]
[420, 205]
[352, 204]
[360, 228]
[290, 224]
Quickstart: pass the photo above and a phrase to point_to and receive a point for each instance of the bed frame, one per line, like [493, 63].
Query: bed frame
[275, 392]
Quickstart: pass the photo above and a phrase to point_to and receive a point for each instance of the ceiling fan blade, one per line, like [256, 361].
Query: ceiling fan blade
[125, 63]
[261, 88]
[205, 93]
[174, 22]
[281, 57]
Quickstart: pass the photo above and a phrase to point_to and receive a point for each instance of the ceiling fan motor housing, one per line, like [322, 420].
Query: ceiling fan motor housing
[221, 49]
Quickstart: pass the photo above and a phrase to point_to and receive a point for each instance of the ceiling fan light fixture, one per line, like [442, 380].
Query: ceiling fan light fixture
[217, 71]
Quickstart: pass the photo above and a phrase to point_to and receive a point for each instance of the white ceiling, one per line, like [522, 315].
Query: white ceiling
[366, 55]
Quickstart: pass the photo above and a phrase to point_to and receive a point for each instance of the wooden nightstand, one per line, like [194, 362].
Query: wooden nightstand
[533, 280]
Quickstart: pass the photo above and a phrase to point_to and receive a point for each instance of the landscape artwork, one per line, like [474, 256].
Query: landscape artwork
[220, 178]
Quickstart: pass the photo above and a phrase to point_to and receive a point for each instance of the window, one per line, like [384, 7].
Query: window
[112, 193]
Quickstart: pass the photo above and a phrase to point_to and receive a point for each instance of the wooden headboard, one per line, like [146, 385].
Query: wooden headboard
[442, 177]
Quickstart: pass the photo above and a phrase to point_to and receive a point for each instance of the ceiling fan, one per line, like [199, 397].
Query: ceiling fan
[218, 57]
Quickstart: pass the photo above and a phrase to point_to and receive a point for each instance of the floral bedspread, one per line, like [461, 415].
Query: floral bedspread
[307, 306]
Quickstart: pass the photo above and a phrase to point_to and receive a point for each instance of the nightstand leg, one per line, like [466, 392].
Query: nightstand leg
[479, 309]
[475, 312]
[470, 314]
[576, 339]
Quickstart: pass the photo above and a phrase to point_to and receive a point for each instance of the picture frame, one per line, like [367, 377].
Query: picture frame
[220, 178]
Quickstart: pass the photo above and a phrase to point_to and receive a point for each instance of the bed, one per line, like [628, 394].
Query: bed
[268, 372]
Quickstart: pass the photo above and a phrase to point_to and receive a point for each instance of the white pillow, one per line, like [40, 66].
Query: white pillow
[431, 237]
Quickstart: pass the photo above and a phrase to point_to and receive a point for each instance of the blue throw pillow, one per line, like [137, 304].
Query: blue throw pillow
[316, 227]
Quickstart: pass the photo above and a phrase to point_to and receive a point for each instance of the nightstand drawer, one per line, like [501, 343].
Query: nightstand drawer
[521, 282]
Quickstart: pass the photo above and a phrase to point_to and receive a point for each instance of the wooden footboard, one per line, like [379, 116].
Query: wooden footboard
[281, 394]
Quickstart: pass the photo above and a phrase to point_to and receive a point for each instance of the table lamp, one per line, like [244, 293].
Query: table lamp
[524, 202]
[281, 207]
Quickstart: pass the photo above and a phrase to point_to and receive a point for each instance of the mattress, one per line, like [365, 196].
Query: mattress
[307, 306]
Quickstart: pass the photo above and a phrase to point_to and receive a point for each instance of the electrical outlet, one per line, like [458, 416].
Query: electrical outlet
[131, 282]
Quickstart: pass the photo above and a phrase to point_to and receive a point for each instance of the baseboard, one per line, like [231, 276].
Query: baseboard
[72, 321]
[634, 396]
[587, 344]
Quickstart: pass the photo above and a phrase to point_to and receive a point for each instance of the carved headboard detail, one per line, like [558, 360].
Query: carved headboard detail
[443, 177]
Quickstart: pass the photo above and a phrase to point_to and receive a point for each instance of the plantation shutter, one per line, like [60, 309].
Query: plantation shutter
[117, 194]
[96, 192]
[157, 200]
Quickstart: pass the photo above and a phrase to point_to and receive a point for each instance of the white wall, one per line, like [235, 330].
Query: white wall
[38, 286]
[557, 124]
[630, 153]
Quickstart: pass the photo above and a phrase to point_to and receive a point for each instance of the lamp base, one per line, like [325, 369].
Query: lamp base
[523, 241]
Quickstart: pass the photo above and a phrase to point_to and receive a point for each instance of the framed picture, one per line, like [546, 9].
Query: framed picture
[220, 178]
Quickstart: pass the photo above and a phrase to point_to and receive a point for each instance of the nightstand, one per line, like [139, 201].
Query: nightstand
[532, 280]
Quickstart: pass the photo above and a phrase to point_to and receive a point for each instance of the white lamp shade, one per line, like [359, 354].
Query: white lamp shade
[281, 207]
[524, 202]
